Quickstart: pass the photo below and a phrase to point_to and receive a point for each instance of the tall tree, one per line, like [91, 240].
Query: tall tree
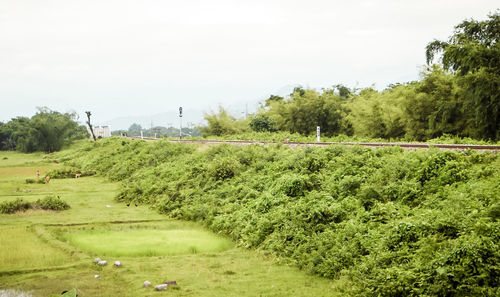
[473, 53]
[222, 123]
[134, 130]
[262, 123]
[305, 109]
[46, 131]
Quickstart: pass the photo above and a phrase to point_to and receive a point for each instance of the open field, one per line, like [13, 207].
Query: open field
[45, 252]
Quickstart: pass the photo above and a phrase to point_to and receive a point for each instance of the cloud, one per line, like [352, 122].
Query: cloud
[108, 55]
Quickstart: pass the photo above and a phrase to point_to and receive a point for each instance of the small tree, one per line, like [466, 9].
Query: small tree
[222, 123]
[262, 123]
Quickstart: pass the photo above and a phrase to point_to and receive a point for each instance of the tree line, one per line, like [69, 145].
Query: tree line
[158, 131]
[458, 94]
[46, 131]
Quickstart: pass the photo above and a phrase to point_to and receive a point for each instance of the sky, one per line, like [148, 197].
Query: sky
[120, 58]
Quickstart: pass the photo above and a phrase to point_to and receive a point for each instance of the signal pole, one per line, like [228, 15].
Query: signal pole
[180, 118]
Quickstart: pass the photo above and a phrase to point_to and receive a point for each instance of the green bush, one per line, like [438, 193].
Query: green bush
[9, 207]
[68, 173]
[223, 168]
[35, 181]
[51, 203]
[47, 203]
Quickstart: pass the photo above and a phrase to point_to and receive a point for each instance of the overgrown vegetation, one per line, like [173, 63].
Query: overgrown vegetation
[14, 206]
[391, 222]
[35, 181]
[48, 203]
[68, 172]
[459, 96]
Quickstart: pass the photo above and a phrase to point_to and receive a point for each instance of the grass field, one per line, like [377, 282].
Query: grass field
[46, 252]
[136, 242]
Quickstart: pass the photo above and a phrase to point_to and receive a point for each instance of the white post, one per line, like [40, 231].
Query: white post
[155, 135]
[142, 137]
[318, 133]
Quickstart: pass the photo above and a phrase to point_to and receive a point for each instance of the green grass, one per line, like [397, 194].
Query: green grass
[147, 242]
[22, 249]
[41, 252]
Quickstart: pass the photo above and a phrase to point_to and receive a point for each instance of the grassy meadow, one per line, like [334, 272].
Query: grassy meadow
[45, 252]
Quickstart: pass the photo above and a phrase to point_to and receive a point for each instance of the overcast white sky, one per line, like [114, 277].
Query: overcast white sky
[139, 57]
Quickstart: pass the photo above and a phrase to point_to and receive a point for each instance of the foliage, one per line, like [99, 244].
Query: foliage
[262, 123]
[47, 203]
[460, 98]
[222, 123]
[473, 53]
[435, 106]
[306, 109]
[51, 203]
[14, 206]
[68, 172]
[281, 137]
[134, 130]
[379, 115]
[392, 222]
[35, 181]
[273, 98]
[46, 131]
[159, 131]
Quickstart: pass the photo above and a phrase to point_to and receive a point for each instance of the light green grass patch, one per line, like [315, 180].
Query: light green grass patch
[22, 249]
[13, 159]
[147, 242]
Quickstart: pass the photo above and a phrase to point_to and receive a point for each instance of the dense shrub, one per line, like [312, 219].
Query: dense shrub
[392, 222]
[68, 173]
[14, 206]
[35, 181]
[47, 203]
[51, 203]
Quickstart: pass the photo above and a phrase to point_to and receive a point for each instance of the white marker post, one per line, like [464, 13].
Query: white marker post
[318, 133]
[142, 137]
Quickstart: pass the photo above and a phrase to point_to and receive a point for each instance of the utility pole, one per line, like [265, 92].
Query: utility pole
[180, 118]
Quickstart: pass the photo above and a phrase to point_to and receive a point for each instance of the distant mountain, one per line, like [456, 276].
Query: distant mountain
[190, 117]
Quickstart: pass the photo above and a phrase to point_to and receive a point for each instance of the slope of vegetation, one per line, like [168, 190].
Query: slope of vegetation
[388, 222]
